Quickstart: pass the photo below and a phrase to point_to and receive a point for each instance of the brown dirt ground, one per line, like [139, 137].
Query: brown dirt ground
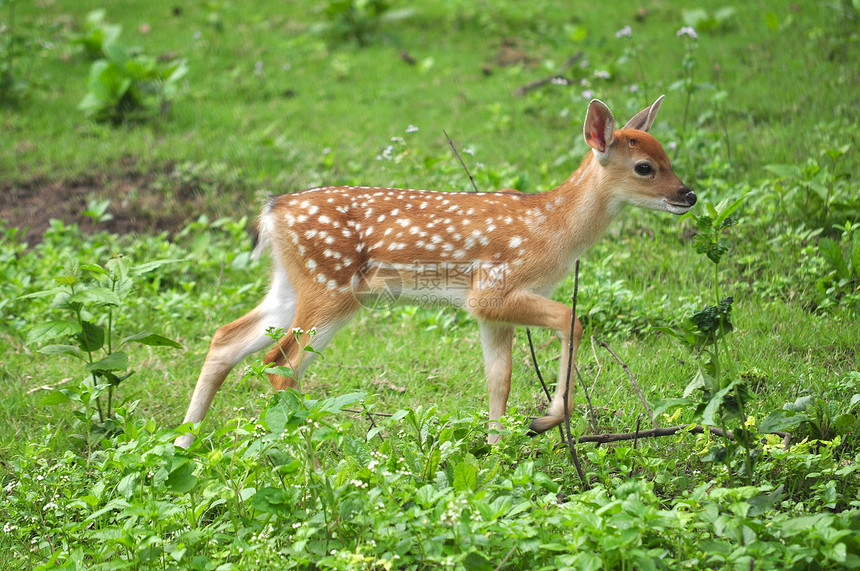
[139, 204]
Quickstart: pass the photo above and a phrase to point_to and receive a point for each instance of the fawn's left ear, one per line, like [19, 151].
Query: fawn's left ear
[643, 120]
[599, 127]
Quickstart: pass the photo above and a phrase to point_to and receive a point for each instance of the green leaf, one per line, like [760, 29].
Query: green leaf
[91, 337]
[465, 476]
[95, 268]
[762, 503]
[51, 330]
[726, 211]
[771, 20]
[271, 500]
[784, 171]
[54, 397]
[149, 266]
[44, 293]
[182, 479]
[832, 254]
[98, 296]
[151, 339]
[709, 415]
[117, 361]
[781, 420]
[800, 404]
[334, 404]
[70, 350]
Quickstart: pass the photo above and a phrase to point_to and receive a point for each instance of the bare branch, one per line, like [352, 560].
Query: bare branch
[633, 381]
[666, 431]
[540, 377]
[567, 379]
[456, 152]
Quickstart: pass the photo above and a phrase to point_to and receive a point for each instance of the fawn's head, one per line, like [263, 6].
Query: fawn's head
[635, 165]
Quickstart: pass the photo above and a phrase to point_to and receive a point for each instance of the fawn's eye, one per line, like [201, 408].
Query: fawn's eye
[643, 169]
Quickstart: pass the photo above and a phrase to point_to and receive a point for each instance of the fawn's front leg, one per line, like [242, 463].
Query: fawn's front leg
[498, 311]
[496, 343]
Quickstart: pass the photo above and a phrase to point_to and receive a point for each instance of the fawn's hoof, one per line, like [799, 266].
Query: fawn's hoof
[544, 423]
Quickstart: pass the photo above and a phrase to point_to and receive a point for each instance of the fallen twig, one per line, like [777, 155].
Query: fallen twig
[540, 377]
[567, 379]
[352, 410]
[632, 380]
[666, 431]
[49, 387]
[556, 79]
[456, 152]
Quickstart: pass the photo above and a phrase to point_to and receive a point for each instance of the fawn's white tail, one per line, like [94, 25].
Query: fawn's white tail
[496, 254]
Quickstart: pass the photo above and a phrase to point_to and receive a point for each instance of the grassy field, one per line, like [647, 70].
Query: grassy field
[761, 103]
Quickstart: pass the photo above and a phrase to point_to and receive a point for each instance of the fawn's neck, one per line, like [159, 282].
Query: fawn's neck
[580, 208]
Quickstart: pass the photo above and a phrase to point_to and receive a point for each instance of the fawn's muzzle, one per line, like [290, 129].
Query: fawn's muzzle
[687, 195]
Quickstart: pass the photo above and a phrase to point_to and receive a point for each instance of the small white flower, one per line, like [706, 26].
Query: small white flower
[411, 128]
[602, 74]
[588, 94]
[688, 31]
[624, 32]
[634, 88]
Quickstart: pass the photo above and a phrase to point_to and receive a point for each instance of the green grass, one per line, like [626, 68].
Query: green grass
[272, 103]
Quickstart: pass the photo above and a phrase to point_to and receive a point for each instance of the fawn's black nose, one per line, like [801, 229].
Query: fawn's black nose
[687, 195]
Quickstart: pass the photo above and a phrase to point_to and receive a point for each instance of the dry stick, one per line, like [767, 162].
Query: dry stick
[633, 381]
[450, 142]
[567, 380]
[508, 556]
[587, 399]
[369, 417]
[557, 78]
[352, 410]
[668, 431]
[540, 377]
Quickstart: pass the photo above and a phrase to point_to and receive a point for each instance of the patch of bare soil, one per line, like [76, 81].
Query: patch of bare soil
[139, 203]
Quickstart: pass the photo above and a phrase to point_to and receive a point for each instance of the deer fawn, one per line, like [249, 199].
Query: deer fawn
[496, 254]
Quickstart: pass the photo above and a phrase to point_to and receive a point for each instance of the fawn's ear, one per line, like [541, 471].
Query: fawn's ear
[645, 118]
[599, 126]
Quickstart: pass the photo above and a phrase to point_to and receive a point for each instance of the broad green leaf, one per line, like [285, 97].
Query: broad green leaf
[727, 211]
[147, 267]
[98, 296]
[52, 329]
[182, 479]
[117, 361]
[116, 54]
[709, 415]
[271, 500]
[70, 350]
[832, 254]
[91, 337]
[95, 268]
[279, 370]
[855, 254]
[800, 404]
[334, 404]
[151, 339]
[54, 397]
[784, 171]
[771, 20]
[44, 293]
[762, 503]
[781, 420]
[465, 476]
